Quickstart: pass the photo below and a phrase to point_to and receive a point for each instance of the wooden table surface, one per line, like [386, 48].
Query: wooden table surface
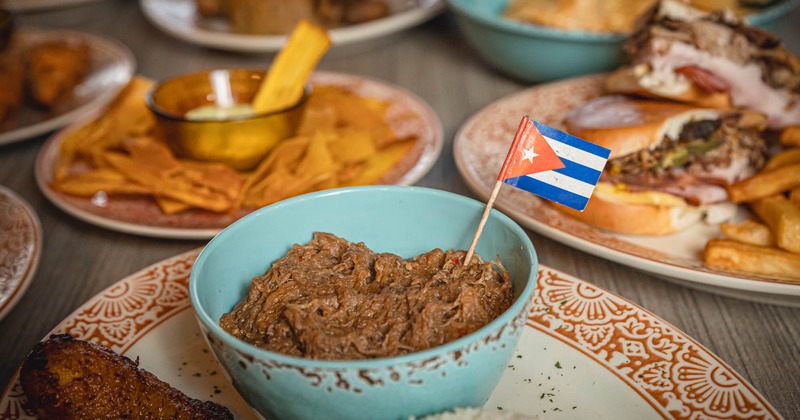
[759, 341]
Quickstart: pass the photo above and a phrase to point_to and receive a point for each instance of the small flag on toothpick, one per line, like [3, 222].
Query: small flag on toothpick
[551, 164]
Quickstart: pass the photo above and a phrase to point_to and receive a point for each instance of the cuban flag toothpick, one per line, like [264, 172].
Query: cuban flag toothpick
[551, 164]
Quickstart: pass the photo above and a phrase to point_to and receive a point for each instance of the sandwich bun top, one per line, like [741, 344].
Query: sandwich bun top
[627, 125]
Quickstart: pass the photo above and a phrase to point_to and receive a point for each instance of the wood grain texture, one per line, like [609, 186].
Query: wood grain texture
[761, 342]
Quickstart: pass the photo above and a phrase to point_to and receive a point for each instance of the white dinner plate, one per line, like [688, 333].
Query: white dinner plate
[481, 145]
[20, 248]
[179, 18]
[408, 115]
[585, 353]
[112, 66]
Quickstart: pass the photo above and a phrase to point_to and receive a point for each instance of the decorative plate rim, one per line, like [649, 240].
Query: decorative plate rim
[31, 263]
[621, 336]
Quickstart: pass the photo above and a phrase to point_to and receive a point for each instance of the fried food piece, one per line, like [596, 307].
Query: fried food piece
[783, 218]
[288, 73]
[12, 79]
[749, 232]
[738, 257]
[54, 70]
[790, 136]
[781, 159]
[267, 17]
[68, 378]
[765, 184]
[210, 8]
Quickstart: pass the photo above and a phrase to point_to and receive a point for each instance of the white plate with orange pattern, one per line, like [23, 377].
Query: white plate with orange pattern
[481, 145]
[583, 354]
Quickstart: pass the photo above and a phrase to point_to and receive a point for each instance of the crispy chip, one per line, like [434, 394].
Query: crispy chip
[377, 165]
[350, 145]
[127, 115]
[105, 180]
[351, 110]
[278, 185]
[154, 155]
[171, 206]
[175, 187]
[293, 65]
[343, 139]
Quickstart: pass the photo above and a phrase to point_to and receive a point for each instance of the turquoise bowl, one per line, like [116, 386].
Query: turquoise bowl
[402, 220]
[534, 53]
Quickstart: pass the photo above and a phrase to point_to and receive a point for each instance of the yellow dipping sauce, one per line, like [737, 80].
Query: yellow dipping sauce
[216, 112]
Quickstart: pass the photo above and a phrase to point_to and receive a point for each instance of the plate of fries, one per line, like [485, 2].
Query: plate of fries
[113, 170]
[705, 256]
[767, 245]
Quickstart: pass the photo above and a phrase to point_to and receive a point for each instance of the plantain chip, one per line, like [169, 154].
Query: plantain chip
[106, 180]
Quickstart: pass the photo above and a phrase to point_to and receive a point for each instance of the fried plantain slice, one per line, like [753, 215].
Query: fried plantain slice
[64, 377]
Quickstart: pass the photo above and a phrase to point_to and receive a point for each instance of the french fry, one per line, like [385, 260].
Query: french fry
[783, 158]
[783, 218]
[765, 184]
[727, 255]
[790, 136]
[748, 231]
[285, 82]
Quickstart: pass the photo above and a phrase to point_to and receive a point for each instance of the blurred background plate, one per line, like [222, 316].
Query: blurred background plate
[584, 353]
[408, 115]
[112, 66]
[535, 53]
[179, 18]
[36, 5]
[20, 247]
[481, 145]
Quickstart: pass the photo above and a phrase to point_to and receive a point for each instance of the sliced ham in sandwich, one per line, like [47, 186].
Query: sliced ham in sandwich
[712, 60]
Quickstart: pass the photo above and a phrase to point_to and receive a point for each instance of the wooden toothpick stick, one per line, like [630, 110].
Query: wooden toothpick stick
[489, 205]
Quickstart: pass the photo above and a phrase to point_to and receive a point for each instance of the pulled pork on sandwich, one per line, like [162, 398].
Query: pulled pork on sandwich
[712, 60]
[670, 163]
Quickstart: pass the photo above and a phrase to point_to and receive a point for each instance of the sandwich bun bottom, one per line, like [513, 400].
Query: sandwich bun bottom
[613, 208]
[628, 81]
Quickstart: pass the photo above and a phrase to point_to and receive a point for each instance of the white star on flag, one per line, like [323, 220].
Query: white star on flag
[529, 154]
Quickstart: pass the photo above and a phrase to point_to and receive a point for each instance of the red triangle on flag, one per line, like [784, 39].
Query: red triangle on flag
[529, 153]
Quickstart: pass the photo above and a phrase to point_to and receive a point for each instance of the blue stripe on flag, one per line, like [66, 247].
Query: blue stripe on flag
[579, 172]
[571, 140]
[549, 192]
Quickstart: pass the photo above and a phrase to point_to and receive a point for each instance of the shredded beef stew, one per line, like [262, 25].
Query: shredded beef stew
[336, 300]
